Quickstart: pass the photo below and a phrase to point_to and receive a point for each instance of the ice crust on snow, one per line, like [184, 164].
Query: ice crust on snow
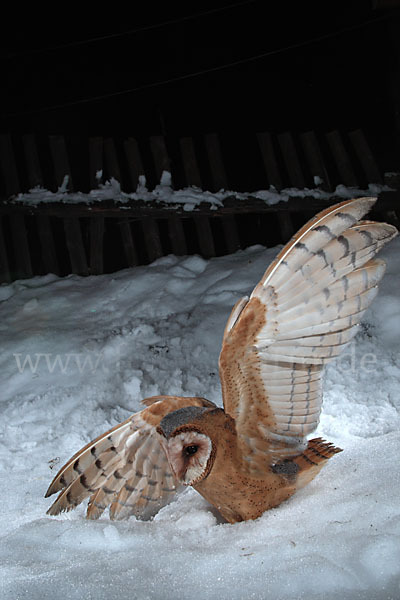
[189, 198]
[96, 347]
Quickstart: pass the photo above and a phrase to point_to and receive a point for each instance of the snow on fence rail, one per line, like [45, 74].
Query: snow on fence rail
[47, 226]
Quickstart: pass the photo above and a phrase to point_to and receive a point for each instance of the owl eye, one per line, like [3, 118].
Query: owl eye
[189, 450]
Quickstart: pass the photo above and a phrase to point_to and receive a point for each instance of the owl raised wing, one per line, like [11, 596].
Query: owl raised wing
[305, 309]
[254, 453]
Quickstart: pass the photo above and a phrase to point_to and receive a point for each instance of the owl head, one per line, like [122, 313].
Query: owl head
[189, 447]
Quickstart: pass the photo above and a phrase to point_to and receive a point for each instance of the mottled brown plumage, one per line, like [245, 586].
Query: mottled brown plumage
[253, 454]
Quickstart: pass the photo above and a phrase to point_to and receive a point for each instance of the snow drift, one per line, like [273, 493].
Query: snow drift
[78, 355]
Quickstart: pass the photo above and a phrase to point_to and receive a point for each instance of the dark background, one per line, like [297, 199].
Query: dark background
[176, 70]
[344, 80]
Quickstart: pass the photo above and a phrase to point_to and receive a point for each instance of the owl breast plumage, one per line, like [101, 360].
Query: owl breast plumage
[254, 453]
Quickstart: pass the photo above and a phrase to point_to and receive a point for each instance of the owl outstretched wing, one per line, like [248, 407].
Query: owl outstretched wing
[124, 468]
[302, 313]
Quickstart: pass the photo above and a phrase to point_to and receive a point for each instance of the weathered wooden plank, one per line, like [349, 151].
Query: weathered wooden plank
[286, 226]
[191, 168]
[215, 160]
[34, 171]
[246, 206]
[392, 212]
[21, 246]
[8, 166]
[76, 249]
[313, 153]
[96, 245]
[204, 235]
[111, 160]
[291, 159]
[342, 159]
[231, 234]
[128, 243]
[177, 235]
[5, 276]
[151, 238]
[134, 159]
[95, 161]
[49, 256]
[160, 155]
[365, 156]
[62, 169]
[269, 159]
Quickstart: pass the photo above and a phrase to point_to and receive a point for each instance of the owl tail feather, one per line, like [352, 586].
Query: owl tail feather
[314, 457]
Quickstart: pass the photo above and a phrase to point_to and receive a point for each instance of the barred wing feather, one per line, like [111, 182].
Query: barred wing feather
[125, 468]
[303, 312]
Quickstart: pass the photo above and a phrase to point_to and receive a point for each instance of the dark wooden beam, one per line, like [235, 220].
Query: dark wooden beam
[34, 171]
[231, 234]
[5, 276]
[156, 210]
[313, 154]
[177, 235]
[96, 245]
[60, 158]
[76, 249]
[8, 166]
[95, 161]
[341, 158]
[111, 160]
[365, 156]
[128, 243]
[151, 238]
[21, 246]
[216, 163]
[192, 171]
[285, 225]
[204, 235]
[269, 159]
[49, 256]
[291, 160]
[161, 159]
[135, 163]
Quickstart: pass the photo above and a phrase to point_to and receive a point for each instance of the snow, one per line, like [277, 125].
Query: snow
[78, 355]
[188, 198]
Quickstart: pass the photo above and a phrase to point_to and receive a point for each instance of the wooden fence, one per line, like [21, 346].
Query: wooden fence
[106, 236]
[209, 162]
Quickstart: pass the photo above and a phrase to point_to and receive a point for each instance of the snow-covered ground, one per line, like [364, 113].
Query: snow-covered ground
[77, 356]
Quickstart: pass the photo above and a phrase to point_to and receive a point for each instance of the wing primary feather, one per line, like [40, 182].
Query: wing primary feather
[124, 468]
[84, 458]
[304, 311]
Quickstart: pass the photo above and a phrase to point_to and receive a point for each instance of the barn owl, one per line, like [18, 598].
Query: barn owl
[253, 454]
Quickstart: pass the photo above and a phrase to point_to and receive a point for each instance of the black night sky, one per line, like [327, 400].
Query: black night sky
[341, 80]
